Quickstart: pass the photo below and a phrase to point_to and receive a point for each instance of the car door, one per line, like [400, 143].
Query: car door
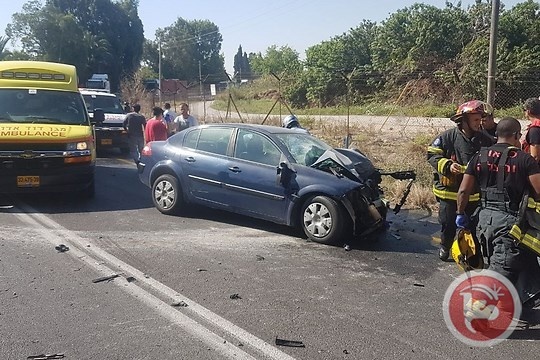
[204, 164]
[252, 177]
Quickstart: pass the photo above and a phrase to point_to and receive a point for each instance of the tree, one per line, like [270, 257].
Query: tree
[186, 45]
[241, 64]
[3, 52]
[97, 36]
[276, 60]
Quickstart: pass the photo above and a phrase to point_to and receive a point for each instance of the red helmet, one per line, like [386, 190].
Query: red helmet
[472, 107]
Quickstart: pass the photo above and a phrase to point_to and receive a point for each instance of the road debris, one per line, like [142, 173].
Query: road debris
[46, 356]
[259, 257]
[199, 269]
[419, 285]
[396, 236]
[105, 278]
[62, 248]
[290, 343]
[235, 296]
[131, 279]
[179, 304]
[347, 247]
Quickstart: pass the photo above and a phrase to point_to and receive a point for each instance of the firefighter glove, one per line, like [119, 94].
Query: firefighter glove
[462, 220]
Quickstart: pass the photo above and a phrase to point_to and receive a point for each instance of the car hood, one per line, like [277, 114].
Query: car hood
[346, 162]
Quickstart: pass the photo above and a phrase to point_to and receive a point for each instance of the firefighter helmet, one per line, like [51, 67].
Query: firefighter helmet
[290, 121]
[466, 251]
[472, 107]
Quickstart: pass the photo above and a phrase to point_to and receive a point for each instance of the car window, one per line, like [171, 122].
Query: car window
[214, 140]
[256, 147]
[191, 138]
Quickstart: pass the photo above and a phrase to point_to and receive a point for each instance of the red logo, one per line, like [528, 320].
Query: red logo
[481, 308]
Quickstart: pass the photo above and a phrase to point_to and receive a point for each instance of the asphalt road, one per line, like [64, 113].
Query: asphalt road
[212, 285]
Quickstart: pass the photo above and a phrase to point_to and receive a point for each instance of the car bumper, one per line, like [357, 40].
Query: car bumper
[70, 179]
[107, 138]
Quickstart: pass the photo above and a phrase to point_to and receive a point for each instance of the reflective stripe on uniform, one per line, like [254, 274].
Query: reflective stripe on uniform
[450, 195]
[435, 150]
[441, 164]
[526, 239]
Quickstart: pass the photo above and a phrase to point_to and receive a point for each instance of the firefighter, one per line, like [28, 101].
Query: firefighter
[449, 154]
[505, 175]
[291, 122]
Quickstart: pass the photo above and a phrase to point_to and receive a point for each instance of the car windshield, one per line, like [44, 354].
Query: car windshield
[304, 148]
[31, 106]
[109, 104]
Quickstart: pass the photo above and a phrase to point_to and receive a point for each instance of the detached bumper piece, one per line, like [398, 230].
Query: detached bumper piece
[402, 175]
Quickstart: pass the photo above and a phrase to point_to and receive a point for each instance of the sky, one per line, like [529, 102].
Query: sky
[257, 25]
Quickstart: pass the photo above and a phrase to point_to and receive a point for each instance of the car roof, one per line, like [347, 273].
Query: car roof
[269, 129]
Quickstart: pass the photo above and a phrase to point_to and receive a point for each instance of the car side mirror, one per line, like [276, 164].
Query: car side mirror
[99, 116]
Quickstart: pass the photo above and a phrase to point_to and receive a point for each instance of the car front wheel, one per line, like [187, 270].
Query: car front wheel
[323, 220]
[166, 194]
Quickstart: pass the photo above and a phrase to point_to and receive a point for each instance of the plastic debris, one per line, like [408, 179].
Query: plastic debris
[61, 248]
[105, 278]
[291, 343]
[179, 304]
[235, 296]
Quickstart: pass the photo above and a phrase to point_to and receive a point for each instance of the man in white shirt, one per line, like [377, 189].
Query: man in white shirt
[168, 117]
[184, 120]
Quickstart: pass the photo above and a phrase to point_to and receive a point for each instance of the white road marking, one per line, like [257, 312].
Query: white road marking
[108, 264]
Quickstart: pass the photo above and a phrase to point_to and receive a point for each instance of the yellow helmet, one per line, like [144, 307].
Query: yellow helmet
[466, 251]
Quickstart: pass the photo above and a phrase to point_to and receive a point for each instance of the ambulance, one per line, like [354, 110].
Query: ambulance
[47, 141]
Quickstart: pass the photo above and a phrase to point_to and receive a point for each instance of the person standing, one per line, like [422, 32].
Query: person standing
[185, 119]
[505, 175]
[489, 126]
[168, 117]
[134, 125]
[155, 129]
[449, 154]
[530, 140]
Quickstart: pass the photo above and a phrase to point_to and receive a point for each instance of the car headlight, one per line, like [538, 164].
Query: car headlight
[81, 145]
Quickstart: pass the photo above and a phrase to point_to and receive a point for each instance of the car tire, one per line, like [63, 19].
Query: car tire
[166, 194]
[323, 220]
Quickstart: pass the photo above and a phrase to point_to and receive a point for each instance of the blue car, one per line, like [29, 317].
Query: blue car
[281, 175]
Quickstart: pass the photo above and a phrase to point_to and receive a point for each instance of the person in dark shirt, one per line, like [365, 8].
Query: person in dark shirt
[489, 127]
[530, 141]
[134, 124]
[501, 199]
[449, 154]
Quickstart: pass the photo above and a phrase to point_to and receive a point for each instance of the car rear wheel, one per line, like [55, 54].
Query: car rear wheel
[166, 194]
[323, 220]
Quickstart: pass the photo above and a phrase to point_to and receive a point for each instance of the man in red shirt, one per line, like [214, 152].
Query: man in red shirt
[155, 129]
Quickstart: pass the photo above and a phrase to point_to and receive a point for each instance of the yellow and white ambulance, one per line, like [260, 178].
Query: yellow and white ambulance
[47, 141]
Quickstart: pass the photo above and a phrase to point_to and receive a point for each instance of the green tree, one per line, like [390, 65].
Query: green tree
[97, 36]
[241, 64]
[276, 60]
[3, 52]
[188, 44]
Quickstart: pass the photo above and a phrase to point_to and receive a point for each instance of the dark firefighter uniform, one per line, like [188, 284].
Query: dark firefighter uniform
[449, 147]
[502, 171]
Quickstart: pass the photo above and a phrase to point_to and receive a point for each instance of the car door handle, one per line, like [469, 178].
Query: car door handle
[190, 159]
[235, 169]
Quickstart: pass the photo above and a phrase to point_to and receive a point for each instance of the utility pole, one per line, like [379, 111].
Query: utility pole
[159, 72]
[492, 65]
